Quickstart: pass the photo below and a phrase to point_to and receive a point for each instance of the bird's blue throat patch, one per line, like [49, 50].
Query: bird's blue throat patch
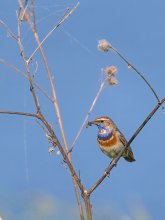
[105, 135]
[100, 127]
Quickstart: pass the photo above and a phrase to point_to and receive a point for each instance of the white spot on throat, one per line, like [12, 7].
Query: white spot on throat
[102, 131]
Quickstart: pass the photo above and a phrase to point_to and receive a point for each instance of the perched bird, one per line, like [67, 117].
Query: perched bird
[111, 141]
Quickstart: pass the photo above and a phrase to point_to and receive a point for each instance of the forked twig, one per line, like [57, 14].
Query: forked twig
[64, 17]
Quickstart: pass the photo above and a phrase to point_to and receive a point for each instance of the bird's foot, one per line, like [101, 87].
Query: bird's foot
[113, 163]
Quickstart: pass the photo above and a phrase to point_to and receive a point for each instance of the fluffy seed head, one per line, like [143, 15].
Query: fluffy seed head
[112, 81]
[110, 74]
[110, 71]
[104, 45]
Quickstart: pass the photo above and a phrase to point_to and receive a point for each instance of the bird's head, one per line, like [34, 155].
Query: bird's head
[103, 123]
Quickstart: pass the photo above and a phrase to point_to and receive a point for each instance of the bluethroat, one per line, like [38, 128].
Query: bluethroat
[110, 139]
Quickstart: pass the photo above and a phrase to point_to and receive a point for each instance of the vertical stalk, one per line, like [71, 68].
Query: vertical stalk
[88, 206]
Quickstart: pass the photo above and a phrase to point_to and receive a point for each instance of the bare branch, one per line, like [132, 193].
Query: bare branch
[18, 113]
[66, 15]
[138, 72]
[26, 65]
[8, 30]
[62, 151]
[33, 15]
[115, 160]
[11, 66]
[88, 205]
[87, 116]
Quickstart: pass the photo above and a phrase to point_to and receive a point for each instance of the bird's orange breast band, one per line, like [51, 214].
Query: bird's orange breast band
[108, 143]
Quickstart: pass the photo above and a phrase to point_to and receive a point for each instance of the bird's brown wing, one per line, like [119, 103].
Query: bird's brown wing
[128, 154]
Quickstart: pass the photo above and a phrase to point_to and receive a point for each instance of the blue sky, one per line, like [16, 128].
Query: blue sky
[29, 175]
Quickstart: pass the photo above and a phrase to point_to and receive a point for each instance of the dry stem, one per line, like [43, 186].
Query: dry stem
[11, 66]
[64, 17]
[87, 116]
[9, 31]
[19, 113]
[137, 71]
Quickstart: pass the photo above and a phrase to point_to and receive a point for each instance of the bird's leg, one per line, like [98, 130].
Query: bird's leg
[113, 163]
[106, 172]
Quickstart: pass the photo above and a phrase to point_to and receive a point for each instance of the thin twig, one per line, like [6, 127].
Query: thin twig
[62, 151]
[9, 31]
[87, 116]
[11, 66]
[23, 8]
[64, 17]
[115, 160]
[33, 15]
[138, 72]
[22, 52]
[18, 113]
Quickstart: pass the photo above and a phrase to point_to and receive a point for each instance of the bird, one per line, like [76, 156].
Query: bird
[110, 139]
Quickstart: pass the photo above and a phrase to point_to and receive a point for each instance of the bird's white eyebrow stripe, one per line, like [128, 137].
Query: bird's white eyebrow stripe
[102, 119]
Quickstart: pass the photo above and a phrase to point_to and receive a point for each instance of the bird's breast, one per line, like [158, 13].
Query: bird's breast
[110, 141]
[111, 147]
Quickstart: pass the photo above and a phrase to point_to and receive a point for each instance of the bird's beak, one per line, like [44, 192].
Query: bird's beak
[90, 123]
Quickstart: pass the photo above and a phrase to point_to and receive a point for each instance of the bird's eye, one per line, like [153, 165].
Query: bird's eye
[101, 121]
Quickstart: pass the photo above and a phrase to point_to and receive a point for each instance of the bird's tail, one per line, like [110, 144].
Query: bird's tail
[128, 155]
